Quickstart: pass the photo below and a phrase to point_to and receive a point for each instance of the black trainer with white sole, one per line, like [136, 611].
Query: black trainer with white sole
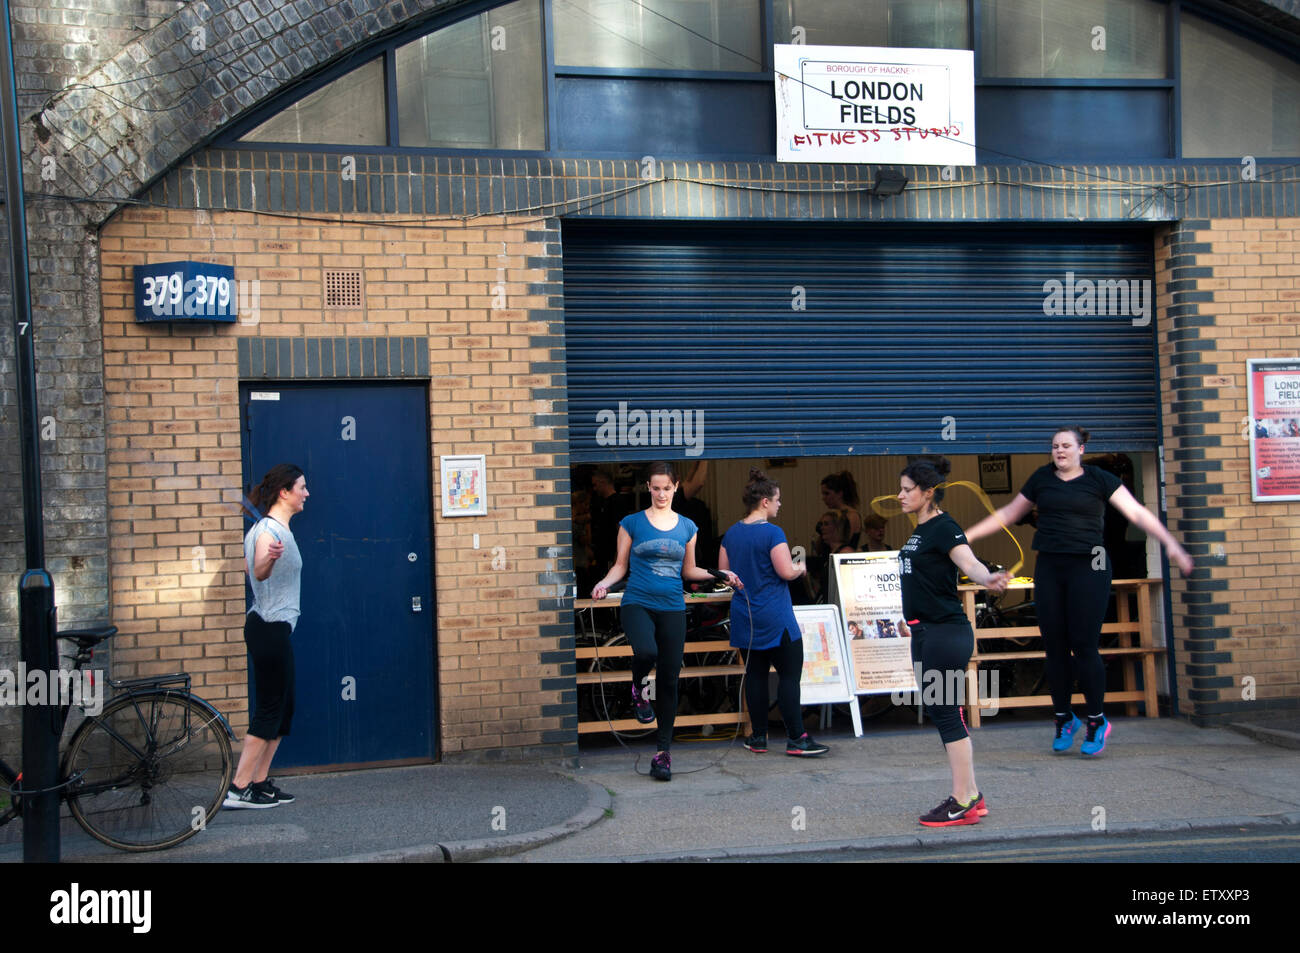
[250, 797]
[281, 797]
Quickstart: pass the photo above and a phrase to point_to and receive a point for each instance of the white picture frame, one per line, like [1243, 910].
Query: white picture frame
[825, 678]
[464, 485]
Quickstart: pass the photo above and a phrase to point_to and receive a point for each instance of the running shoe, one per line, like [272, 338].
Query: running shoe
[661, 767]
[756, 744]
[248, 797]
[951, 814]
[1066, 732]
[803, 746]
[1098, 732]
[645, 712]
[281, 797]
[980, 807]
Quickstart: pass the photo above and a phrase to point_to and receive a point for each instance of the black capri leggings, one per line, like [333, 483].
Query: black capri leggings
[787, 658]
[1071, 597]
[271, 676]
[657, 639]
[942, 651]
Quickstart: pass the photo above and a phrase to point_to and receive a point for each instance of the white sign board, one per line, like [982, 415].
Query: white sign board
[867, 104]
[870, 599]
[825, 677]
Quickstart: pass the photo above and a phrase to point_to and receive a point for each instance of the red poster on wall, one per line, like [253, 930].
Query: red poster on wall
[1274, 429]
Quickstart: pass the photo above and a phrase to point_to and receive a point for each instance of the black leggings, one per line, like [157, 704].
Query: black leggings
[942, 652]
[657, 639]
[1071, 597]
[787, 658]
[271, 676]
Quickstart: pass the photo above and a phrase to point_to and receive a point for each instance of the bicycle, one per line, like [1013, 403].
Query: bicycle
[1016, 676]
[149, 771]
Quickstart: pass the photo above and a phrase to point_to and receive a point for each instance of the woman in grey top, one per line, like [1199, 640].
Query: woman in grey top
[275, 573]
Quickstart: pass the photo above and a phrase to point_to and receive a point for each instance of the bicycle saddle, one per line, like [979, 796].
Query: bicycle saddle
[87, 638]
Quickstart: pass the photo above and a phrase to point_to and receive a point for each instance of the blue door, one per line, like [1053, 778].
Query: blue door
[364, 645]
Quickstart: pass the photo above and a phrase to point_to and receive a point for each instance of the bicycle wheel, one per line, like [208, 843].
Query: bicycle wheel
[154, 769]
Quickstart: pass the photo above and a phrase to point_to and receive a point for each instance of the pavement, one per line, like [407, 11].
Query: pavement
[724, 801]
[1281, 728]
[424, 814]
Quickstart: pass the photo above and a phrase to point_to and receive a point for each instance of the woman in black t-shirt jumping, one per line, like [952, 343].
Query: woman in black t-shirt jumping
[942, 638]
[1073, 574]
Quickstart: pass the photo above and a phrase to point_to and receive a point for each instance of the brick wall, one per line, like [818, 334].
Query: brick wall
[54, 43]
[1228, 292]
[504, 640]
[69, 377]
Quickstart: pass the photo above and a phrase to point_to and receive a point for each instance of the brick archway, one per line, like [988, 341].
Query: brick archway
[172, 90]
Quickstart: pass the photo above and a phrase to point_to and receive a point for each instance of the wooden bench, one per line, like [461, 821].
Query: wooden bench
[621, 680]
[1137, 647]
[1136, 635]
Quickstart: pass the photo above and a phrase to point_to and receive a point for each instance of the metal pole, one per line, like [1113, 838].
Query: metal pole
[42, 724]
[36, 590]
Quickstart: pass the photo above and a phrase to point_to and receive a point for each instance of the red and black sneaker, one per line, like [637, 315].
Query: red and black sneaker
[804, 747]
[756, 743]
[951, 814]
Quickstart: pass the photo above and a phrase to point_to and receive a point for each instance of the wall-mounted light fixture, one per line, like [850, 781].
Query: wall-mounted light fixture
[889, 182]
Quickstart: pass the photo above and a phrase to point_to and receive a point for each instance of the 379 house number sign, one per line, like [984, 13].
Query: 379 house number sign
[185, 291]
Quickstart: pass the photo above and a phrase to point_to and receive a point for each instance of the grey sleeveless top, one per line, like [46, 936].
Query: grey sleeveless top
[275, 598]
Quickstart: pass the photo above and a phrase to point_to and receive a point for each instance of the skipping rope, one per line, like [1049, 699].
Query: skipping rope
[636, 766]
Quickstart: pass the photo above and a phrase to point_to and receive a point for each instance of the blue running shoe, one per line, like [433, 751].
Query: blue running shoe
[1066, 731]
[1098, 732]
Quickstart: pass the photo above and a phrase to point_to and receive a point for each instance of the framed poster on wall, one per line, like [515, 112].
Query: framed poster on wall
[464, 485]
[1274, 426]
[995, 473]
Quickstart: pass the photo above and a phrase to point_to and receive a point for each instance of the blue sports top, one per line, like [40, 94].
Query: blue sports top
[654, 578]
[749, 554]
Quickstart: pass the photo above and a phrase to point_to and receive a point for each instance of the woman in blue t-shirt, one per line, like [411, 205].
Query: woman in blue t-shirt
[1072, 574]
[765, 627]
[656, 551]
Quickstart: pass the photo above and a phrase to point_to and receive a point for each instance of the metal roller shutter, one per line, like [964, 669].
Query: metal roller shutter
[909, 341]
